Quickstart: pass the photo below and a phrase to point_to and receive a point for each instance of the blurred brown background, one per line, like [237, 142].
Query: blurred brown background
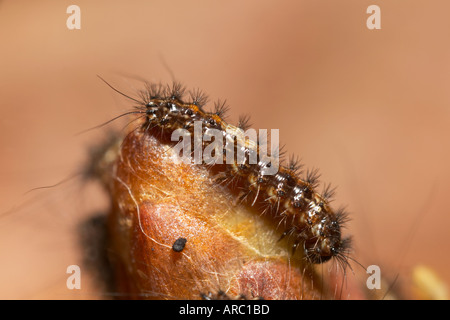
[370, 108]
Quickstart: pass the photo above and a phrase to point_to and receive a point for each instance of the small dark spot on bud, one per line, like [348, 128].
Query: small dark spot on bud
[179, 244]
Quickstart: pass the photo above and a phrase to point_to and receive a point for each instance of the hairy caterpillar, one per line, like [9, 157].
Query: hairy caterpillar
[388, 119]
[291, 201]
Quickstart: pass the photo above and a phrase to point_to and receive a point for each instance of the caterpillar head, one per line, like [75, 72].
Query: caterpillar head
[328, 242]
